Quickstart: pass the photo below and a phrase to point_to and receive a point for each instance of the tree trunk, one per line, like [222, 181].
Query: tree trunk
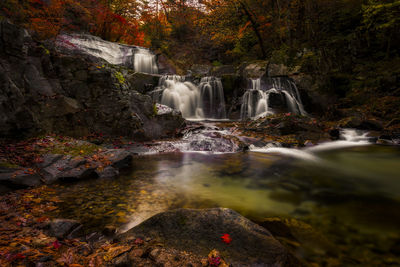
[255, 28]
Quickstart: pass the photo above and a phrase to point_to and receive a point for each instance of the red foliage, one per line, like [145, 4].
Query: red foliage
[226, 238]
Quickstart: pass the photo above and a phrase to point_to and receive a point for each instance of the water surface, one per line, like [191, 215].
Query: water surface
[350, 195]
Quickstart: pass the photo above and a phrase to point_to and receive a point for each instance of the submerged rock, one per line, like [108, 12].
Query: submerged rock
[62, 228]
[198, 231]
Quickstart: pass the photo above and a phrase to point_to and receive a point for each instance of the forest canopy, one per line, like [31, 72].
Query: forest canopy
[227, 31]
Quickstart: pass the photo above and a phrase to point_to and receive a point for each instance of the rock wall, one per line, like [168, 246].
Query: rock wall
[45, 90]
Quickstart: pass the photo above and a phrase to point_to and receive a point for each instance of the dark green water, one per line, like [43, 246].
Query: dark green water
[351, 196]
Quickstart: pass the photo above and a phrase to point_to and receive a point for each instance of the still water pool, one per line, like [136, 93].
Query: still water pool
[350, 195]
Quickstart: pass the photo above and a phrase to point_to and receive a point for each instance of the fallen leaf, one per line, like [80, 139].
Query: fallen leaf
[226, 238]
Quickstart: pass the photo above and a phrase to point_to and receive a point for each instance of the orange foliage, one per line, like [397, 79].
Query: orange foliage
[49, 18]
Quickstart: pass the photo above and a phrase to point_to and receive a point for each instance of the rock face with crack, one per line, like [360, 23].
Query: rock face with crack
[200, 231]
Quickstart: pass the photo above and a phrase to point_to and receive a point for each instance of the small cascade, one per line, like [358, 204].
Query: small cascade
[281, 91]
[212, 98]
[145, 61]
[205, 101]
[138, 58]
[348, 138]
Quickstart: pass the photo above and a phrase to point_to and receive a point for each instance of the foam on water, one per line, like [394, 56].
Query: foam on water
[351, 138]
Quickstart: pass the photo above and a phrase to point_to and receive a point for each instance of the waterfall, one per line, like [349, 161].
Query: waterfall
[138, 58]
[212, 98]
[145, 61]
[256, 101]
[205, 101]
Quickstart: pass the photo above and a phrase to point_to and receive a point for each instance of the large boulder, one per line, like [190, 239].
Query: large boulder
[200, 231]
[165, 122]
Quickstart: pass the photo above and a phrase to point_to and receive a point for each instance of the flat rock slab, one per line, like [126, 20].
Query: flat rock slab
[119, 158]
[19, 178]
[200, 231]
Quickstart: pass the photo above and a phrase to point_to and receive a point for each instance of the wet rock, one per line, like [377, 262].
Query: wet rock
[219, 71]
[67, 168]
[49, 159]
[200, 70]
[299, 237]
[141, 81]
[79, 173]
[60, 106]
[108, 172]
[61, 228]
[371, 124]
[122, 260]
[289, 127]
[277, 101]
[393, 122]
[199, 230]
[165, 66]
[109, 230]
[358, 122]
[14, 39]
[334, 133]
[52, 172]
[385, 142]
[119, 158]
[76, 232]
[163, 109]
[277, 70]
[21, 178]
[253, 70]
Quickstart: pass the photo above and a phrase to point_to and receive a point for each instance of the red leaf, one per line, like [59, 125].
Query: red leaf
[55, 244]
[226, 238]
[214, 261]
[139, 241]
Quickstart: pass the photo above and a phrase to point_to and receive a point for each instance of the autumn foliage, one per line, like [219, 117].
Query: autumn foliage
[47, 18]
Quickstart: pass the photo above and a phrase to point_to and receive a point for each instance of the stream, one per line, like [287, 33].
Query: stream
[348, 190]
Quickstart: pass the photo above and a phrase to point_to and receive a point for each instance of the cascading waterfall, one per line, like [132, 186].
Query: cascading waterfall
[256, 100]
[145, 61]
[212, 98]
[205, 101]
[138, 58]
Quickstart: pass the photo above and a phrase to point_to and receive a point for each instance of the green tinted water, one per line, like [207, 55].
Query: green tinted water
[350, 195]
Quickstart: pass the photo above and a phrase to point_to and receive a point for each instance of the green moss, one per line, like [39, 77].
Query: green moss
[155, 110]
[120, 77]
[5, 164]
[216, 63]
[73, 150]
[47, 51]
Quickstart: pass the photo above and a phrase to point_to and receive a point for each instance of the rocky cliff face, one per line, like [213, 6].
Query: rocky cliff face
[45, 90]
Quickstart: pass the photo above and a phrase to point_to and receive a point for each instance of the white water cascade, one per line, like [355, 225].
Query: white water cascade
[145, 61]
[256, 100]
[212, 98]
[348, 138]
[205, 101]
[138, 58]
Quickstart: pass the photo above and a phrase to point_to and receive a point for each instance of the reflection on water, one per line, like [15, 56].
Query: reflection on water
[353, 188]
